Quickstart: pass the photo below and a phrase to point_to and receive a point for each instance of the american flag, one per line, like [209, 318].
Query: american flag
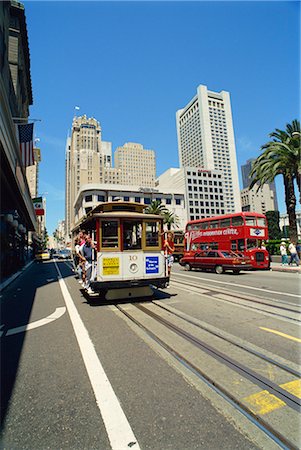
[26, 143]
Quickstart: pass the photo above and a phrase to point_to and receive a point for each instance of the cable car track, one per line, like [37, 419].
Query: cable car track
[216, 293]
[265, 384]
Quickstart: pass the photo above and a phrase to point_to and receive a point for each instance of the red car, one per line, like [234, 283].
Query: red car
[217, 260]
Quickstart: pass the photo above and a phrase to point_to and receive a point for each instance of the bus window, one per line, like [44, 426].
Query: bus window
[237, 221]
[214, 224]
[132, 232]
[233, 245]
[251, 243]
[225, 223]
[152, 234]
[204, 225]
[261, 222]
[241, 244]
[109, 234]
[251, 221]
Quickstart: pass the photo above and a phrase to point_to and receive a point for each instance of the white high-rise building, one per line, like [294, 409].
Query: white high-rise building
[206, 140]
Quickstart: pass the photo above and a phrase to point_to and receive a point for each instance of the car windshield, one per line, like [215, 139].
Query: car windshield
[227, 254]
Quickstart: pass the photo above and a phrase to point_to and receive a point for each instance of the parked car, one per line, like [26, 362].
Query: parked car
[43, 255]
[64, 254]
[217, 260]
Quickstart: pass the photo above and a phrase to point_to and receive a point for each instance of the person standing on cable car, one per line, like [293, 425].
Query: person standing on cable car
[169, 248]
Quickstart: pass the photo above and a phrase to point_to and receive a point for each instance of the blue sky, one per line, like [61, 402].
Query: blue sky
[132, 65]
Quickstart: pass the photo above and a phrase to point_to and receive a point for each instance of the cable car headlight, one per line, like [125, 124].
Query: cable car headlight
[133, 267]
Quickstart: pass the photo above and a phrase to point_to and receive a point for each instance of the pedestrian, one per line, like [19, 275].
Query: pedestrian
[298, 248]
[294, 254]
[283, 253]
[87, 253]
[81, 242]
[169, 248]
[263, 247]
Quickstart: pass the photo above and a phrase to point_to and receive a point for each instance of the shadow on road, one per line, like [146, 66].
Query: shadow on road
[16, 305]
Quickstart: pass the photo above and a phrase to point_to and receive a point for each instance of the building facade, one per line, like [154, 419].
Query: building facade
[284, 224]
[246, 180]
[32, 174]
[90, 196]
[137, 165]
[87, 160]
[17, 217]
[206, 140]
[202, 189]
[259, 201]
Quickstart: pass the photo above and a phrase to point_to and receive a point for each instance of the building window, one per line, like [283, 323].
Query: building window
[137, 199]
[88, 198]
[147, 201]
[178, 201]
[100, 198]
[126, 199]
[88, 209]
[168, 201]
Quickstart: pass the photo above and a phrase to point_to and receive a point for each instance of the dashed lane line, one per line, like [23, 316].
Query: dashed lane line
[119, 431]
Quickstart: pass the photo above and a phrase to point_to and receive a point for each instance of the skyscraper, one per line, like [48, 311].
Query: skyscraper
[206, 140]
[246, 180]
[137, 165]
[87, 158]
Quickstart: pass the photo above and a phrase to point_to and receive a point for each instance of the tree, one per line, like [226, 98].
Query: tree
[281, 156]
[171, 219]
[156, 207]
[273, 224]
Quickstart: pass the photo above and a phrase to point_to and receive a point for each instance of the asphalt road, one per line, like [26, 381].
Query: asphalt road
[56, 374]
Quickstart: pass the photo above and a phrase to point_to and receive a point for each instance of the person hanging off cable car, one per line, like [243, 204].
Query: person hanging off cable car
[169, 248]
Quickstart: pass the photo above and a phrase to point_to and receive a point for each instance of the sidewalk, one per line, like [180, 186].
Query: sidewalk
[277, 267]
[15, 275]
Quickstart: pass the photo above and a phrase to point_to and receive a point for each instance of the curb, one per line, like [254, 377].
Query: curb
[286, 269]
[14, 276]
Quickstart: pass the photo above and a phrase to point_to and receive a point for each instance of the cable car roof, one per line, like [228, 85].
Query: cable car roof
[115, 210]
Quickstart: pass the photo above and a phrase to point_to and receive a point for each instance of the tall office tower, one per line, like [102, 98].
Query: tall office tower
[86, 159]
[206, 140]
[137, 165]
[246, 180]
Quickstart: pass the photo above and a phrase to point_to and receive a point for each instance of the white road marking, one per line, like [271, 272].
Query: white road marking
[118, 428]
[38, 323]
[238, 285]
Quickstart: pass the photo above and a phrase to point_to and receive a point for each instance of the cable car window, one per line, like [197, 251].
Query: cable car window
[109, 234]
[152, 234]
[132, 232]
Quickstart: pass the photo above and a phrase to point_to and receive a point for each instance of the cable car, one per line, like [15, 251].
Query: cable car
[129, 250]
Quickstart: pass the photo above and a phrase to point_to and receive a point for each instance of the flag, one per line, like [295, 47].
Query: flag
[77, 107]
[26, 143]
[38, 206]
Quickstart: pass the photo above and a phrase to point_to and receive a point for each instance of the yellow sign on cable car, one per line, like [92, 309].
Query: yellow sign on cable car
[110, 266]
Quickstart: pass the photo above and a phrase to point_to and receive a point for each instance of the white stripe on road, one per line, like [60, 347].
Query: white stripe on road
[118, 428]
[38, 323]
[235, 285]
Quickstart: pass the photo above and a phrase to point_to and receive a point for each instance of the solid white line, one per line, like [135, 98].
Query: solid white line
[118, 428]
[38, 323]
[238, 285]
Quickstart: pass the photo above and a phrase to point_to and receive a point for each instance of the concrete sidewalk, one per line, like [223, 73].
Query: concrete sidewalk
[277, 267]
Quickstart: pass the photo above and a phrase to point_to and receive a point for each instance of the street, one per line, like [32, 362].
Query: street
[79, 374]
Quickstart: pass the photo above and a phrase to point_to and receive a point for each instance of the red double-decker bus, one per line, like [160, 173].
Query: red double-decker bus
[241, 233]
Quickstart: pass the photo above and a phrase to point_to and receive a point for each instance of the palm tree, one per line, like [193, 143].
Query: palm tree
[171, 219]
[281, 156]
[156, 207]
